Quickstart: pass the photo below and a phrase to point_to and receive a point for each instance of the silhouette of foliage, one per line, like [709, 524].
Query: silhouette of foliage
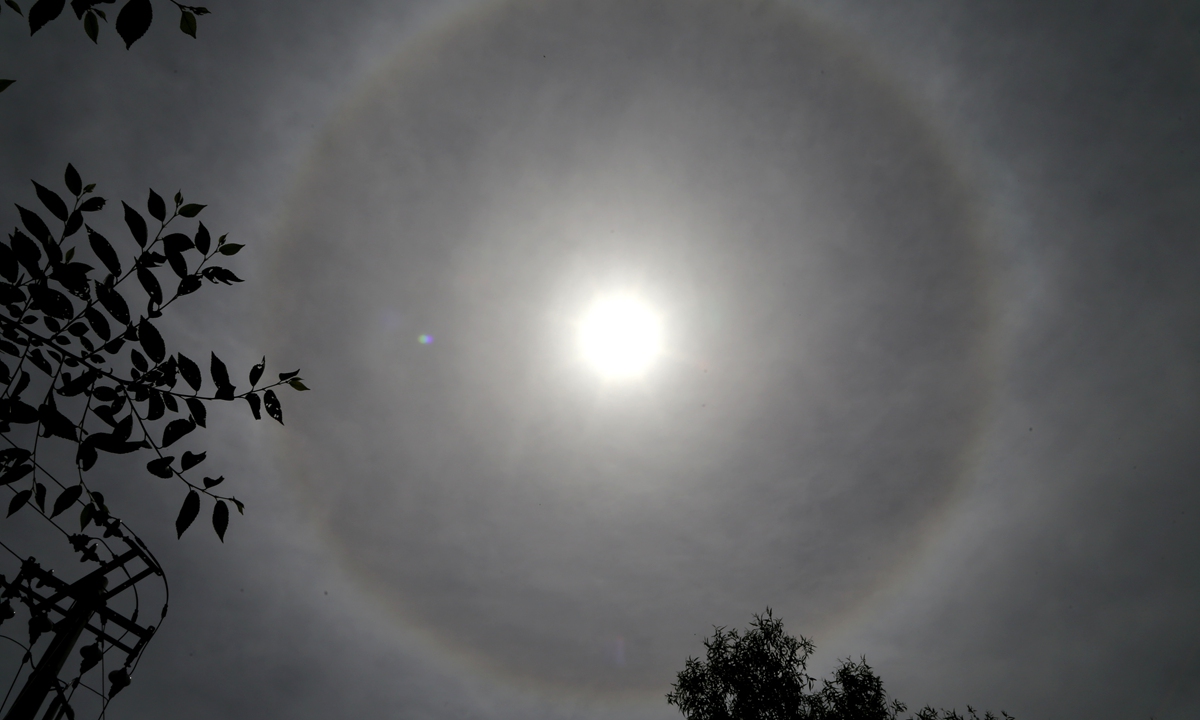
[132, 21]
[83, 362]
[761, 675]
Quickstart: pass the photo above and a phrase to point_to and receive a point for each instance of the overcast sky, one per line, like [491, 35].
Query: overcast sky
[930, 383]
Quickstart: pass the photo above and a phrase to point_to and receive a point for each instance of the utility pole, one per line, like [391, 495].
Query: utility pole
[89, 598]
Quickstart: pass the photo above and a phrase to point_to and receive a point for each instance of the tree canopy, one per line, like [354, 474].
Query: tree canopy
[761, 674]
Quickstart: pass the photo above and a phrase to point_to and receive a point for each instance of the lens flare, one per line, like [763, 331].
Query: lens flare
[620, 337]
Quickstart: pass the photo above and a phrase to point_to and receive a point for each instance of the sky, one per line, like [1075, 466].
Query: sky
[928, 387]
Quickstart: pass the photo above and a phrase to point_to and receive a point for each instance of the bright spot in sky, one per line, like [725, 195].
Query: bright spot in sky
[620, 336]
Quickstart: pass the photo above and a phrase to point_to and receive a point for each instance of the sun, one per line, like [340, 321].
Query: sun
[620, 336]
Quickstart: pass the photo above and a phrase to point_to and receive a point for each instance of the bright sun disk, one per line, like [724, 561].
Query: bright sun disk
[620, 336]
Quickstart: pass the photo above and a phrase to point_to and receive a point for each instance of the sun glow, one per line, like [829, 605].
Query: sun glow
[620, 336]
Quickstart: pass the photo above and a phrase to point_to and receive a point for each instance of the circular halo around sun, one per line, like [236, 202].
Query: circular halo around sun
[620, 336]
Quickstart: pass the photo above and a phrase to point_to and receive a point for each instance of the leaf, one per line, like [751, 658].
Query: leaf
[8, 263]
[97, 321]
[91, 26]
[254, 401]
[136, 223]
[74, 222]
[271, 403]
[150, 283]
[175, 430]
[19, 501]
[189, 285]
[15, 473]
[191, 460]
[211, 483]
[220, 519]
[74, 182]
[203, 239]
[133, 21]
[189, 370]
[296, 384]
[114, 304]
[191, 210]
[39, 496]
[156, 408]
[93, 204]
[257, 371]
[104, 251]
[161, 467]
[66, 499]
[151, 341]
[197, 409]
[4, 84]
[12, 4]
[51, 302]
[154, 203]
[231, 248]
[85, 457]
[220, 375]
[139, 360]
[220, 274]
[33, 223]
[27, 253]
[288, 375]
[187, 513]
[52, 201]
[54, 422]
[42, 12]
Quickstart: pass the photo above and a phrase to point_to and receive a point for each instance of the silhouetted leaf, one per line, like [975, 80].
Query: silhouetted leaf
[296, 384]
[212, 483]
[85, 457]
[74, 222]
[54, 422]
[42, 12]
[197, 409]
[104, 251]
[203, 239]
[74, 277]
[49, 198]
[231, 248]
[114, 304]
[51, 302]
[189, 285]
[14, 474]
[19, 501]
[12, 4]
[73, 181]
[151, 341]
[191, 460]
[91, 26]
[8, 263]
[155, 408]
[150, 283]
[189, 370]
[257, 371]
[139, 360]
[187, 513]
[271, 403]
[254, 401]
[175, 430]
[220, 518]
[220, 274]
[288, 375]
[92, 204]
[33, 223]
[27, 253]
[39, 495]
[136, 223]
[66, 499]
[220, 376]
[187, 23]
[191, 210]
[4, 84]
[97, 321]
[161, 467]
[112, 443]
[133, 21]
[155, 204]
